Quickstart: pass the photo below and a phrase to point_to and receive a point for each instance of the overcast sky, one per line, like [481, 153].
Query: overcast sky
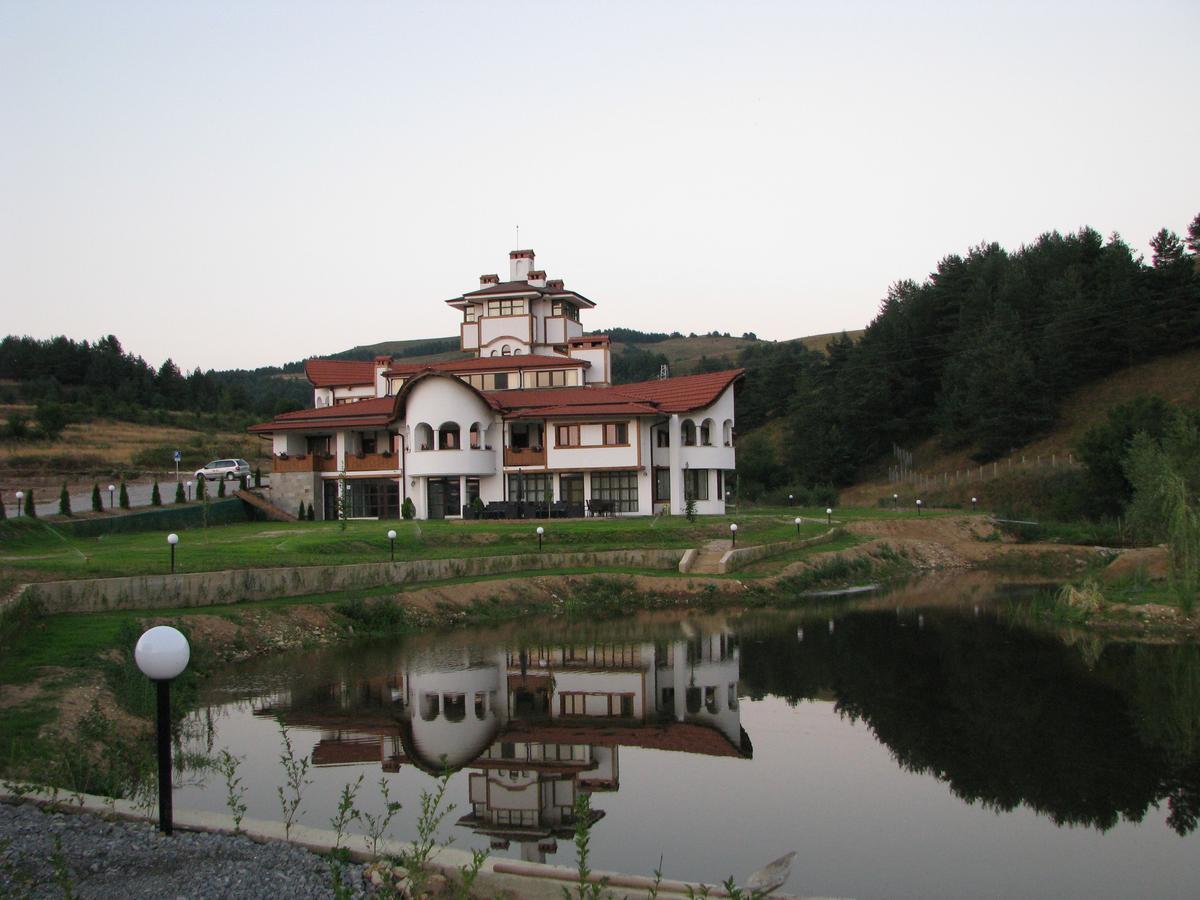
[241, 184]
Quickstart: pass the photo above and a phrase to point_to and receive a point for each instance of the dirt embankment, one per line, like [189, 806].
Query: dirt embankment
[955, 542]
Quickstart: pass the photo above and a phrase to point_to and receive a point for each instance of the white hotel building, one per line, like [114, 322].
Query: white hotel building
[531, 424]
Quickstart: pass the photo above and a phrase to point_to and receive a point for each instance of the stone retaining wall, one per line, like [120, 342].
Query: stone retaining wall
[237, 585]
[735, 559]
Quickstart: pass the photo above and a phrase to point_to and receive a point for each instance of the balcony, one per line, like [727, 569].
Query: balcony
[525, 456]
[372, 462]
[302, 463]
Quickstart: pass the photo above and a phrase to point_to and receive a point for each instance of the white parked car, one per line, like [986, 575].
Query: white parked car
[229, 469]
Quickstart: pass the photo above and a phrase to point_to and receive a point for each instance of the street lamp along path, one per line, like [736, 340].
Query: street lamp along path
[162, 653]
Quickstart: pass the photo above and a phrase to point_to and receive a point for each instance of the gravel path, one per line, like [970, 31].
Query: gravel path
[43, 852]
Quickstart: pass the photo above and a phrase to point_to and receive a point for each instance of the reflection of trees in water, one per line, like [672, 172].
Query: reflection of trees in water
[1006, 716]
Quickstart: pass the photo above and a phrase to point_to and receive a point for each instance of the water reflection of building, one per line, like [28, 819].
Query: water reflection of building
[535, 726]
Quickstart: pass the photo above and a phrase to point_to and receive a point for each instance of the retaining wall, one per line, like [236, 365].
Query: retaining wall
[735, 559]
[237, 585]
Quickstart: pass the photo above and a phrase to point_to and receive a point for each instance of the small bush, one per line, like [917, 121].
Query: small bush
[123, 496]
[408, 509]
[258, 476]
[180, 496]
[221, 488]
[201, 488]
[300, 515]
[311, 513]
[155, 495]
[30, 506]
[379, 616]
[64, 501]
[97, 500]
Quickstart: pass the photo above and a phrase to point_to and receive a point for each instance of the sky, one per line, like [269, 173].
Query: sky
[236, 184]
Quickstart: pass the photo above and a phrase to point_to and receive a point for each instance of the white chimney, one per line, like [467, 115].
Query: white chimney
[520, 262]
[486, 281]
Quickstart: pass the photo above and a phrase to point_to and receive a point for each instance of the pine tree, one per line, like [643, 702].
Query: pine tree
[180, 496]
[3, 510]
[241, 482]
[311, 514]
[1167, 248]
[30, 506]
[1193, 238]
[221, 488]
[123, 496]
[97, 502]
[300, 514]
[258, 477]
[201, 489]
[155, 495]
[64, 501]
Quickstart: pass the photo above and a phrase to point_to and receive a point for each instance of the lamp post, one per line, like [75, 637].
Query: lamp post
[162, 654]
[189, 490]
[895, 501]
[791, 499]
[20, 496]
[974, 501]
[829, 515]
[733, 533]
[919, 505]
[392, 543]
[540, 532]
[111, 490]
[797, 526]
[172, 539]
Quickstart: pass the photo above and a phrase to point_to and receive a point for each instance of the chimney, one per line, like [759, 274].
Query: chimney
[555, 284]
[537, 278]
[384, 361]
[488, 280]
[520, 262]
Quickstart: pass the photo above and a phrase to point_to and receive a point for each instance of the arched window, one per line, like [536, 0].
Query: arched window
[727, 433]
[455, 706]
[431, 704]
[476, 436]
[493, 353]
[448, 436]
[517, 352]
[707, 427]
[423, 437]
[506, 350]
[687, 433]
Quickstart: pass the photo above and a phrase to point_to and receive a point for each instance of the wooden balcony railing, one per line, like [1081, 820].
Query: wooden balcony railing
[372, 462]
[527, 456]
[302, 463]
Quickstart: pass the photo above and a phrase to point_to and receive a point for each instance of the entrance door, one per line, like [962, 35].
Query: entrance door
[570, 491]
[444, 499]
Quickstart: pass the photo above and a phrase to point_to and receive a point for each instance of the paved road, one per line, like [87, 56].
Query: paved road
[139, 494]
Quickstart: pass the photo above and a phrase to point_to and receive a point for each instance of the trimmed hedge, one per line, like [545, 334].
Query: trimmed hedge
[220, 512]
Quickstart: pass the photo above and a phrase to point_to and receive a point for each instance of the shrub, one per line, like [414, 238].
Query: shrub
[180, 496]
[97, 502]
[123, 497]
[408, 509]
[258, 477]
[221, 488]
[155, 495]
[300, 513]
[64, 501]
[201, 489]
[30, 506]
[3, 510]
[311, 513]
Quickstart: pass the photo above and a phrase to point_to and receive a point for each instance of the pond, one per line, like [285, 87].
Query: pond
[916, 743]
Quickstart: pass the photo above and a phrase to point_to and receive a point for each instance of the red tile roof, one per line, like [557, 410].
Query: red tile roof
[684, 393]
[664, 396]
[522, 288]
[378, 412]
[337, 372]
[490, 364]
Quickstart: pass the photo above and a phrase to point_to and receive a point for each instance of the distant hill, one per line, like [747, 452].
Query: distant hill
[685, 354]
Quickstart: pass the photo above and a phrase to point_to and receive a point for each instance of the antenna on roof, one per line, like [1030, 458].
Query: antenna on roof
[518, 237]
[664, 371]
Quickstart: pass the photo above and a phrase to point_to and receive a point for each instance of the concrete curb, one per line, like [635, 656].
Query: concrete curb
[497, 875]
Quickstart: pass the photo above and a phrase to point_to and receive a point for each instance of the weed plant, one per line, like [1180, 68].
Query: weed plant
[296, 777]
[235, 794]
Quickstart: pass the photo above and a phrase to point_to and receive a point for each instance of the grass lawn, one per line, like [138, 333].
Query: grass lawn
[40, 549]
